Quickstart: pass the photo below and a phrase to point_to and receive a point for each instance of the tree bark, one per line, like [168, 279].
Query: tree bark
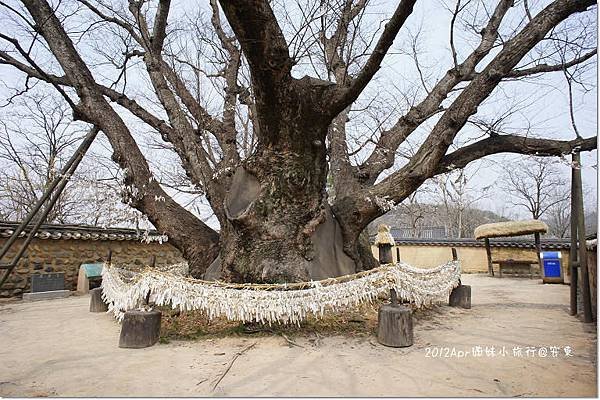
[279, 226]
[395, 326]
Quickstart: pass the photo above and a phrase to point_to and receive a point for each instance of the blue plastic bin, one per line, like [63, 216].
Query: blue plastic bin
[551, 263]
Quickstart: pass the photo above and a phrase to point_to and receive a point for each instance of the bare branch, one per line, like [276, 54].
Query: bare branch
[166, 215]
[262, 41]
[544, 68]
[512, 144]
[382, 156]
[345, 95]
[465, 105]
[112, 19]
[159, 32]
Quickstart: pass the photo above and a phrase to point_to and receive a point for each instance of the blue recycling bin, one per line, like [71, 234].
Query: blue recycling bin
[551, 266]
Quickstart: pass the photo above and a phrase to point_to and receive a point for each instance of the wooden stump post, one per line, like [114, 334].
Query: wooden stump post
[140, 329]
[96, 302]
[460, 296]
[395, 324]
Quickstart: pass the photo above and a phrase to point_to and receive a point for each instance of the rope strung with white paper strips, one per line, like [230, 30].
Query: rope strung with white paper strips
[286, 303]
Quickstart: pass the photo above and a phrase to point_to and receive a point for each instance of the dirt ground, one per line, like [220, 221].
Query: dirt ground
[58, 348]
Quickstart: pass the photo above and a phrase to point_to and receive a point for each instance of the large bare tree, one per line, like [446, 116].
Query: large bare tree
[257, 99]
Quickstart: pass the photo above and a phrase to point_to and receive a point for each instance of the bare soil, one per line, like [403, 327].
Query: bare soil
[58, 348]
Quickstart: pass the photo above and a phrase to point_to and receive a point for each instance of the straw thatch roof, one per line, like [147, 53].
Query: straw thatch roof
[510, 228]
[384, 236]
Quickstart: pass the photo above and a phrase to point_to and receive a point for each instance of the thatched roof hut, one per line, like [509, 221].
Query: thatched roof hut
[384, 236]
[510, 228]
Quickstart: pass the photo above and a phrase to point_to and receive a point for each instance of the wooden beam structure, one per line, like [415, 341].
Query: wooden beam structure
[578, 219]
[488, 251]
[573, 257]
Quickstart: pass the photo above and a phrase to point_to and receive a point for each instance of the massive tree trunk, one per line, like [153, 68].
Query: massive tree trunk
[279, 227]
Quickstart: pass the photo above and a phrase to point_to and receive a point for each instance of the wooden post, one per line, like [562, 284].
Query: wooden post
[585, 281]
[460, 295]
[538, 250]
[573, 268]
[488, 251]
[140, 329]
[96, 302]
[152, 264]
[109, 258]
[397, 253]
[385, 253]
[395, 325]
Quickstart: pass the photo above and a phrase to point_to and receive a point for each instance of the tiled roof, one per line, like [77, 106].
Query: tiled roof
[78, 232]
[547, 244]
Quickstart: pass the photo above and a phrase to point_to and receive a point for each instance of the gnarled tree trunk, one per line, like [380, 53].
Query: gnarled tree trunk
[279, 226]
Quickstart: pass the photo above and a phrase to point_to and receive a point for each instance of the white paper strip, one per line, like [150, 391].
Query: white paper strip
[126, 290]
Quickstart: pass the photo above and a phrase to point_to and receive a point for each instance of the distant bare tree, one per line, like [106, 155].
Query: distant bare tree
[535, 185]
[456, 195]
[36, 139]
[558, 217]
[414, 211]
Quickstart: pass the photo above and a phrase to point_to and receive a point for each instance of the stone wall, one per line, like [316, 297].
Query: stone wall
[65, 255]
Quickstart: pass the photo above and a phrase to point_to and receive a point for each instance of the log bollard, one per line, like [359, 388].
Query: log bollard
[395, 324]
[460, 296]
[140, 329]
[96, 302]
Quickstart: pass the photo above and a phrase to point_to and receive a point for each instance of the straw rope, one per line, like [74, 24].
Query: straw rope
[286, 303]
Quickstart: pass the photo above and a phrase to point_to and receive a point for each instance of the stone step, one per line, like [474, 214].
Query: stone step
[53, 294]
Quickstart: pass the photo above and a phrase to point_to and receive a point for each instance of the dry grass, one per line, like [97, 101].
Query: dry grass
[360, 321]
[191, 325]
